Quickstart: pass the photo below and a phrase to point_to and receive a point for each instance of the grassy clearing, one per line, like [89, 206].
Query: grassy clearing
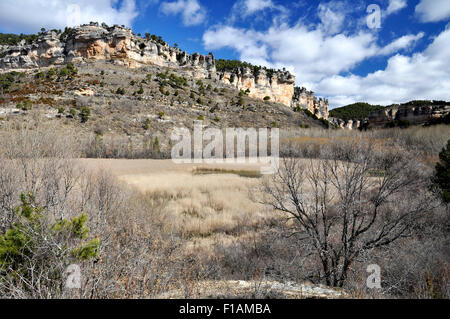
[214, 171]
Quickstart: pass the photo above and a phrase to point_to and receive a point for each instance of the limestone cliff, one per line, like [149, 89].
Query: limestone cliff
[93, 42]
[305, 99]
[413, 115]
[120, 45]
[400, 114]
[277, 87]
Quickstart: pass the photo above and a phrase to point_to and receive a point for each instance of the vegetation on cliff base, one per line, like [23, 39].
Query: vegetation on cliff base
[356, 111]
[14, 39]
[361, 110]
[232, 65]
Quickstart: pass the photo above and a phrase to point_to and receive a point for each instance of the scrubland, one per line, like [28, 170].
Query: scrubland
[191, 230]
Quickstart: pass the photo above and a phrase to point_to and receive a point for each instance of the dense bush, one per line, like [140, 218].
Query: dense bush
[356, 111]
[233, 65]
[14, 39]
[442, 174]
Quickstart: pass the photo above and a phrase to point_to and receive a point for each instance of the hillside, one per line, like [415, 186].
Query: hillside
[356, 111]
[417, 112]
[136, 106]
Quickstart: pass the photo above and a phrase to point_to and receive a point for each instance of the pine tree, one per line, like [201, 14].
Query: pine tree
[442, 174]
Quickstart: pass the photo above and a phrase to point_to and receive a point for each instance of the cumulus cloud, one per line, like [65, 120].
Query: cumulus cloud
[433, 10]
[257, 11]
[332, 16]
[190, 10]
[401, 43]
[323, 57]
[312, 54]
[424, 75]
[30, 16]
[395, 6]
[252, 6]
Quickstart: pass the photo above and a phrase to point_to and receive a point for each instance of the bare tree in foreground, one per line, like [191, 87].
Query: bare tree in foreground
[356, 199]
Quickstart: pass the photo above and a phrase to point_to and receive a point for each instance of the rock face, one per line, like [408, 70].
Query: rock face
[416, 115]
[93, 42]
[120, 45]
[349, 125]
[277, 87]
[305, 99]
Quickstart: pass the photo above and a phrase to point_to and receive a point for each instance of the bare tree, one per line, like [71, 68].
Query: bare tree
[357, 198]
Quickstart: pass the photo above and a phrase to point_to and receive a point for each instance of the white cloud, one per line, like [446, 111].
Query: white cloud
[395, 6]
[401, 43]
[425, 75]
[252, 6]
[311, 54]
[433, 10]
[323, 61]
[332, 16]
[191, 11]
[30, 16]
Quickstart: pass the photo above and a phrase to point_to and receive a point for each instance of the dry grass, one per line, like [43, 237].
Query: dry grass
[219, 171]
[199, 203]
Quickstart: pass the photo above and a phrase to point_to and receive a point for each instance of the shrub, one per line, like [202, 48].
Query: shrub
[266, 98]
[68, 70]
[442, 173]
[146, 125]
[85, 113]
[25, 106]
[120, 91]
[37, 251]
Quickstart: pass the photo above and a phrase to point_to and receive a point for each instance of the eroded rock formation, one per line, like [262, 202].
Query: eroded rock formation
[306, 100]
[93, 42]
[277, 87]
[398, 115]
[120, 45]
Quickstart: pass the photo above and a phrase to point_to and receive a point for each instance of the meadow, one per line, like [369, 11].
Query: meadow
[156, 229]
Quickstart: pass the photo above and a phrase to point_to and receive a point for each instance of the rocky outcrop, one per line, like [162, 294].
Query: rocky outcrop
[305, 99]
[349, 125]
[119, 45]
[93, 42]
[411, 114]
[397, 115]
[277, 87]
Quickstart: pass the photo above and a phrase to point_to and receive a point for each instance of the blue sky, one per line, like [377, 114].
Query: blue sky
[328, 44]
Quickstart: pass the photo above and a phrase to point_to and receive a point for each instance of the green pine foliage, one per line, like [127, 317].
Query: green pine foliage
[35, 240]
[442, 173]
[356, 111]
[85, 113]
[14, 39]
[361, 110]
[233, 65]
